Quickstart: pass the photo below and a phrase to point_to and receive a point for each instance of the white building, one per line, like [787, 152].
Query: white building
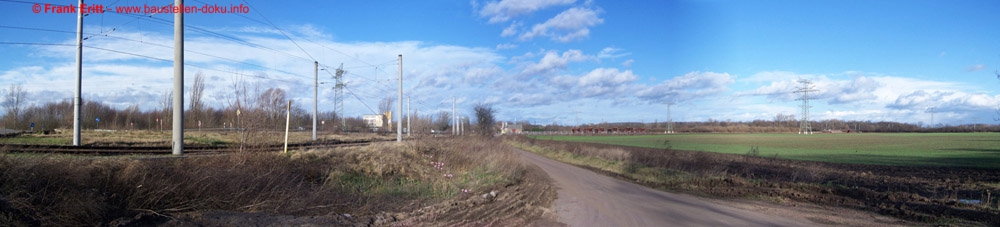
[372, 120]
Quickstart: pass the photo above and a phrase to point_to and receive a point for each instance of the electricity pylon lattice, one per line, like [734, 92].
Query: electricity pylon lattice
[805, 88]
[338, 90]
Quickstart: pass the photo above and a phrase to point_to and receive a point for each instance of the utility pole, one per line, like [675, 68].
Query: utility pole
[454, 119]
[315, 95]
[399, 118]
[408, 113]
[804, 127]
[670, 119]
[288, 121]
[178, 130]
[77, 100]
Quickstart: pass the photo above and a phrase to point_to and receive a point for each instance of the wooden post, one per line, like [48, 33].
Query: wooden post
[288, 120]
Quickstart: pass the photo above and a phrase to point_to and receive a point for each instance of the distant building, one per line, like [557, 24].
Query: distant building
[372, 120]
[512, 129]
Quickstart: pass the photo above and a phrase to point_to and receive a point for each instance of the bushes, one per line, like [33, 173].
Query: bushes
[65, 191]
[61, 191]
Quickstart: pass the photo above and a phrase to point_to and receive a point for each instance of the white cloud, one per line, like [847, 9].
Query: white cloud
[605, 81]
[529, 100]
[611, 52]
[784, 86]
[511, 30]
[944, 101]
[692, 85]
[771, 76]
[878, 96]
[553, 61]
[859, 89]
[628, 63]
[482, 75]
[975, 68]
[918, 99]
[506, 46]
[570, 25]
[121, 79]
[504, 10]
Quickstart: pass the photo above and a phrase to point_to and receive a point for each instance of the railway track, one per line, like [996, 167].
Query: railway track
[106, 150]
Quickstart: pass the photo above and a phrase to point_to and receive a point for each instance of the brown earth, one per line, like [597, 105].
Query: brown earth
[930, 195]
[524, 203]
[383, 184]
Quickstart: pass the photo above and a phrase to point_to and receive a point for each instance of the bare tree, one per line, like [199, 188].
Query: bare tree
[197, 89]
[385, 106]
[166, 101]
[166, 107]
[484, 118]
[244, 113]
[443, 121]
[14, 100]
[273, 103]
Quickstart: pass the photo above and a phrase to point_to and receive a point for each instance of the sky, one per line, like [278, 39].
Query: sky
[546, 61]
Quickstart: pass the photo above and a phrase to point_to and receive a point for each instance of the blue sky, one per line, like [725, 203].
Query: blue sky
[563, 61]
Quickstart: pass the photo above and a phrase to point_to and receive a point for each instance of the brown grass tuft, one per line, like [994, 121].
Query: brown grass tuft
[382, 177]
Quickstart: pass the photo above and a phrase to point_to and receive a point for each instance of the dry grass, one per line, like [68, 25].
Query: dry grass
[48, 190]
[931, 195]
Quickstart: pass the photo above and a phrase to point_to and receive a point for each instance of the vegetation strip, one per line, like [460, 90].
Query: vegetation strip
[431, 182]
[933, 195]
[979, 150]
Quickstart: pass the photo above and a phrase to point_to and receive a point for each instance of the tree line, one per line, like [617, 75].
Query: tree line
[247, 105]
[780, 124]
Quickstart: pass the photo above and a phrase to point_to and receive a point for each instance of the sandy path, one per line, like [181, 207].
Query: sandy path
[589, 199]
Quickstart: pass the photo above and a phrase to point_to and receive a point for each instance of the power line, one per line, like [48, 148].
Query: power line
[288, 36]
[279, 30]
[148, 57]
[359, 100]
[383, 87]
[143, 42]
[805, 88]
[220, 35]
[377, 84]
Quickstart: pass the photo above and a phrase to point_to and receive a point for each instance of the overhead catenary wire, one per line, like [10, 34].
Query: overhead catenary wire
[138, 41]
[226, 37]
[380, 86]
[359, 99]
[151, 57]
[279, 30]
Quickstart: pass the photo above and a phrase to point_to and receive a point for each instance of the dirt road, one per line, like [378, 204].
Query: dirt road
[589, 199]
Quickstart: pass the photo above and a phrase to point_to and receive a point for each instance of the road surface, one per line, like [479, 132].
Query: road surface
[590, 199]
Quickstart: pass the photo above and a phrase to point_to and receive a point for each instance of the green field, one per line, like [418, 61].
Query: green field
[979, 150]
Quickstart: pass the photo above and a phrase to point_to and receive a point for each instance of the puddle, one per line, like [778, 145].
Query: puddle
[970, 201]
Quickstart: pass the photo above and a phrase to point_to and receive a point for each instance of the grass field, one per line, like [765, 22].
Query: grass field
[979, 150]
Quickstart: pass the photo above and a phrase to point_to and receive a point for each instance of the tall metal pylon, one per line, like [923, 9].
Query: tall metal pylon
[805, 88]
[338, 90]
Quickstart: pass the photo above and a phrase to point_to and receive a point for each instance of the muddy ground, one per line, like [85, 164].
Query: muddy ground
[523, 203]
[933, 195]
